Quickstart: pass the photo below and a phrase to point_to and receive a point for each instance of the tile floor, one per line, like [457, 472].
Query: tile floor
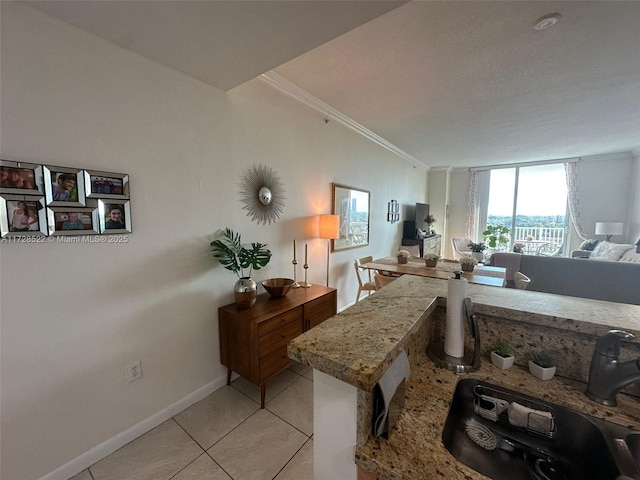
[226, 436]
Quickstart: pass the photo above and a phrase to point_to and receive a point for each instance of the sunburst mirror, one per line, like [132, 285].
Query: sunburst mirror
[262, 194]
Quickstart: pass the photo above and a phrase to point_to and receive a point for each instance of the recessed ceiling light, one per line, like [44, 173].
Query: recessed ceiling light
[547, 21]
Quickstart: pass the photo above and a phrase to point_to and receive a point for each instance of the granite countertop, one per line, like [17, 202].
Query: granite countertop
[415, 448]
[358, 344]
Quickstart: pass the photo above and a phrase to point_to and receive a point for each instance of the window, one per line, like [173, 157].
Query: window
[532, 203]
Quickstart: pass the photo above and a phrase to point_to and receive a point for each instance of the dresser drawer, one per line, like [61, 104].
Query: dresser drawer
[320, 309]
[277, 322]
[279, 338]
[272, 364]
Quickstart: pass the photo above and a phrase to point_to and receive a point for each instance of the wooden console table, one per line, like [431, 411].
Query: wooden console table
[253, 341]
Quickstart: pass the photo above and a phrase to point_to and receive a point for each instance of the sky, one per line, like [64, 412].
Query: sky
[542, 190]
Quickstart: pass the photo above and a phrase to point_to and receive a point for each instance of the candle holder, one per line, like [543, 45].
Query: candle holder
[305, 284]
[295, 280]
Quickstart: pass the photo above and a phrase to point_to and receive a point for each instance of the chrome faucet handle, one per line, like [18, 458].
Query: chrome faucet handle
[609, 344]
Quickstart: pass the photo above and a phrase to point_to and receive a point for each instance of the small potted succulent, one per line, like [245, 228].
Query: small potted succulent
[477, 250]
[501, 355]
[468, 264]
[431, 259]
[541, 365]
[518, 247]
[403, 256]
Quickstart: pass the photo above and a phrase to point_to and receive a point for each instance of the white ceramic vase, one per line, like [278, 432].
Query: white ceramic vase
[541, 372]
[502, 362]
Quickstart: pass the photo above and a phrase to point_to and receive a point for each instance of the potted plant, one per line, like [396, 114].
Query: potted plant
[496, 236]
[518, 247]
[233, 256]
[403, 256]
[468, 263]
[541, 365]
[431, 259]
[477, 250]
[501, 355]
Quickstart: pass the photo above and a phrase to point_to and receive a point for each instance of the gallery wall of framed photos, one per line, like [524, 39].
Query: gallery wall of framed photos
[47, 200]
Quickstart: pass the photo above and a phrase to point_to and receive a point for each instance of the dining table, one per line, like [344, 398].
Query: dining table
[481, 274]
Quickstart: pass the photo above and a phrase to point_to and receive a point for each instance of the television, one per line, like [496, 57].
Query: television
[415, 221]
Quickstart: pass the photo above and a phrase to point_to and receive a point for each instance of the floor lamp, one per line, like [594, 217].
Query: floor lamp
[329, 229]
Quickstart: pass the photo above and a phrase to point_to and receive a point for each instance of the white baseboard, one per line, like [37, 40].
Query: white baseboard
[109, 446]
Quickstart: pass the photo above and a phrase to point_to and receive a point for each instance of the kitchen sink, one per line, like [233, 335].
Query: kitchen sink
[577, 447]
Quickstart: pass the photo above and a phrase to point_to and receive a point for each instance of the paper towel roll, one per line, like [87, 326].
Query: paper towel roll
[454, 333]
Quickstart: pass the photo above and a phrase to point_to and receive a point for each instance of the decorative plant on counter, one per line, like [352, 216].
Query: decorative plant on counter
[233, 256]
[431, 259]
[468, 263]
[501, 354]
[541, 365]
[497, 236]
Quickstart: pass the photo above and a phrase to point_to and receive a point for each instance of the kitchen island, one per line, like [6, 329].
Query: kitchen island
[351, 351]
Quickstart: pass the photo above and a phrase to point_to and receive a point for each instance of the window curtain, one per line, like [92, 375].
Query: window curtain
[573, 192]
[472, 207]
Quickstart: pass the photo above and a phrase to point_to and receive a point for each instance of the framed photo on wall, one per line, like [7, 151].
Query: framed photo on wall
[22, 215]
[63, 186]
[115, 216]
[19, 178]
[352, 205]
[73, 221]
[106, 185]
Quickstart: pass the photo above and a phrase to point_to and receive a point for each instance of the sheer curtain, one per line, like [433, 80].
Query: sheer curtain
[573, 192]
[472, 207]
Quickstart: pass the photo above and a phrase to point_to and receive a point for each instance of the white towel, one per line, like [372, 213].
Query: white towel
[398, 370]
[538, 420]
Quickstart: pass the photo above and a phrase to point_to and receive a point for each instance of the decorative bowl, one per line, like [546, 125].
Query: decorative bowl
[277, 287]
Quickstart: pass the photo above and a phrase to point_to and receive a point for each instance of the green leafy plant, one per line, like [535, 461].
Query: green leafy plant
[502, 348]
[233, 256]
[496, 235]
[544, 359]
[477, 247]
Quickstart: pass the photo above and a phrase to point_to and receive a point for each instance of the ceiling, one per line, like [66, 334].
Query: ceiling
[451, 83]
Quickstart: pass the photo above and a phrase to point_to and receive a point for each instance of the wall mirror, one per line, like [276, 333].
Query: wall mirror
[352, 205]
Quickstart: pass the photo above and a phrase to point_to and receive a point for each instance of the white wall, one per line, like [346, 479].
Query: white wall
[634, 216]
[73, 315]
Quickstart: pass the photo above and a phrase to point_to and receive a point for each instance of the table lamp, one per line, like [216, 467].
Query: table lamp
[609, 229]
[330, 230]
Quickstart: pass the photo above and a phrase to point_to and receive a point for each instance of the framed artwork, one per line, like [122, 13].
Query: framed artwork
[106, 185]
[114, 216]
[393, 211]
[352, 205]
[22, 215]
[19, 178]
[63, 186]
[73, 221]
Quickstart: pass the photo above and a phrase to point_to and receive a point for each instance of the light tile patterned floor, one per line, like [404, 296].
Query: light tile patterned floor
[226, 436]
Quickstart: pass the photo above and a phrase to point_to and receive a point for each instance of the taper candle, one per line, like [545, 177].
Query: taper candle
[305, 254]
[294, 249]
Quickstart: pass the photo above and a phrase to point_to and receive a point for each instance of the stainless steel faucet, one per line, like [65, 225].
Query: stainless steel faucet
[607, 376]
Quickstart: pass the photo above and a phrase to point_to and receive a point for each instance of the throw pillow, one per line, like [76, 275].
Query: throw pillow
[630, 256]
[609, 251]
[589, 244]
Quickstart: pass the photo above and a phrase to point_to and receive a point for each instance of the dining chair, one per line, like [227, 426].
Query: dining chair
[368, 286]
[521, 280]
[382, 280]
[461, 247]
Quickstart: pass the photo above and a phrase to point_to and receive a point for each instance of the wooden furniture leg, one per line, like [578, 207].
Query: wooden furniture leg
[229, 371]
[263, 394]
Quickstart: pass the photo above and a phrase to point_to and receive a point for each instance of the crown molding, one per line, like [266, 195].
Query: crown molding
[278, 82]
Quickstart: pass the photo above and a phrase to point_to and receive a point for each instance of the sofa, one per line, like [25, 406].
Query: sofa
[613, 281]
[615, 252]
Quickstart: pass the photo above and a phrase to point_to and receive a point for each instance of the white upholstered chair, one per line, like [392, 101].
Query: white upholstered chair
[368, 286]
[521, 280]
[461, 247]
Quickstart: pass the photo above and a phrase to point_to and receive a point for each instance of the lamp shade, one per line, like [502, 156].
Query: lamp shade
[329, 226]
[609, 228]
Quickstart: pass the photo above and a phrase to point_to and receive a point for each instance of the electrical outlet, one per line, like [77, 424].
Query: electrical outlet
[133, 371]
